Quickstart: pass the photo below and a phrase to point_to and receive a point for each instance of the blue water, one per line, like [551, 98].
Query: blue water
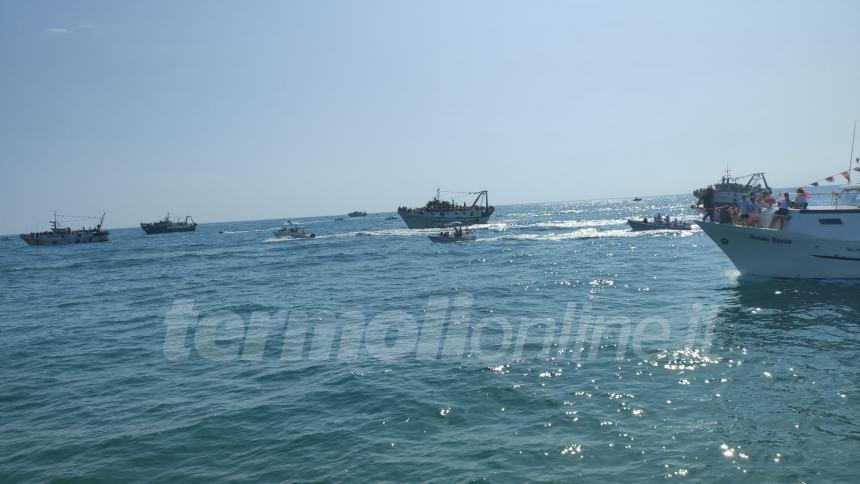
[558, 345]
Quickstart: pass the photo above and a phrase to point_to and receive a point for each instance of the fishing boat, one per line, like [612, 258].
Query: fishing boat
[641, 225]
[64, 236]
[454, 233]
[293, 231]
[438, 213]
[818, 242]
[166, 226]
[357, 214]
[730, 189]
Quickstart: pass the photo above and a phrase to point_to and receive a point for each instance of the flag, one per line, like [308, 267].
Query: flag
[830, 178]
[814, 184]
[847, 175]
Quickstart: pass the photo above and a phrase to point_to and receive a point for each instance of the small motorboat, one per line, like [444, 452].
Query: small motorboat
[293, 231]
[456, 233]
[391, 218]
[645, 224]
[637, 199]
[357, 213]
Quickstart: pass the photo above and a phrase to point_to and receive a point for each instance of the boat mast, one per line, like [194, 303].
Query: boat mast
[851, 158]
[99, 227]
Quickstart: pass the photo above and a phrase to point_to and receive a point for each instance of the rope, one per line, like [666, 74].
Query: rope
[79, 217]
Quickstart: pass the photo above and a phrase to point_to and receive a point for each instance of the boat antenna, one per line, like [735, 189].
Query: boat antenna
[851, 158]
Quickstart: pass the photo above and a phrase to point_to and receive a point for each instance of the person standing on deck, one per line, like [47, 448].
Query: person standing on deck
[802, 199]
[781, 214]
[744, 208]
[708, 203]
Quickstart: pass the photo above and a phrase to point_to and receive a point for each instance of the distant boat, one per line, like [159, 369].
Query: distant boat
[293, 231]
[166, 226]
[339, 218]
[637, 199]
[357, 214]
[438, 213]
[391, 218]
[730, 189]
[65, 236]
[640, 225]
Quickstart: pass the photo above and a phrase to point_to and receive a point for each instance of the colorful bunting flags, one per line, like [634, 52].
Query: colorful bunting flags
[845, 174]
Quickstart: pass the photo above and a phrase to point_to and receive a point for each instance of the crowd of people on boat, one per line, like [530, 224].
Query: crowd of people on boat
[436, 205]
[457, 233]
[659, 219]
[748, 211]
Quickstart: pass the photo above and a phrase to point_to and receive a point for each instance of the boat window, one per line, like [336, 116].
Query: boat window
[848, 197]
[830, 221]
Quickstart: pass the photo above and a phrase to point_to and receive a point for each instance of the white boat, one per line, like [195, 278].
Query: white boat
[293, 231]
[821, 242]
[455, 233]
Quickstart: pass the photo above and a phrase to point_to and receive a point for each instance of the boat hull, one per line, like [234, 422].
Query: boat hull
[441, 240]
[282, 235]
[65, 239]
[782, 254]
[436, 220]
[642, 226]
[167, 230]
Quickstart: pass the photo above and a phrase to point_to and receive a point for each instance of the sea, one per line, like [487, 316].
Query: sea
[557, 346]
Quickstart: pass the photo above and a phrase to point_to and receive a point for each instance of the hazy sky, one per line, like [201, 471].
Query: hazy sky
[230, 110]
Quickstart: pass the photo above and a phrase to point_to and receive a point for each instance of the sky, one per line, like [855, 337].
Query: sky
[239, 110]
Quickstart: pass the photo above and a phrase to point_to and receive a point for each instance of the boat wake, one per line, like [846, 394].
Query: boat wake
[401, 232]
[251, 231]
[574, 224]
[288, 239]
[585, 233]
